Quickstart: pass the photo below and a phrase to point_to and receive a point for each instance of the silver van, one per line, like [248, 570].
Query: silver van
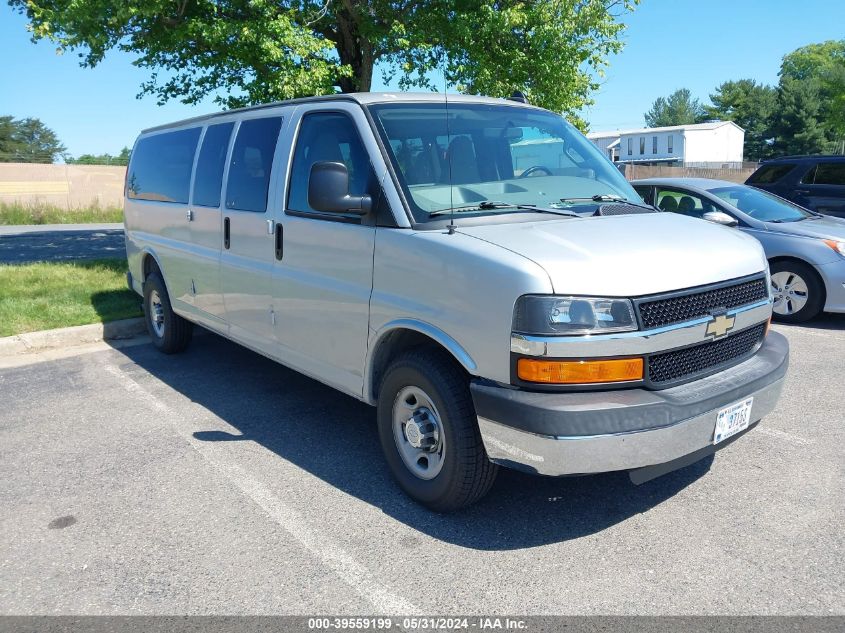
[474, 268]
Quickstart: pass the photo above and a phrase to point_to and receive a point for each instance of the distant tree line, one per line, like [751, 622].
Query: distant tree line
[30, 141]
[803, 114]
[100, 159]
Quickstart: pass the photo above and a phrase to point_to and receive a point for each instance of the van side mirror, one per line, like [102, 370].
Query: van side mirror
[720, 217]
[328, 190]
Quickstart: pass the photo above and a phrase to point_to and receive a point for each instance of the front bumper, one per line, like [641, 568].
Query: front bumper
[834, 281]
[592, 432]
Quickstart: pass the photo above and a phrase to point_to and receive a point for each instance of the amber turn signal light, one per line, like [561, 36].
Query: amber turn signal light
[560, 372]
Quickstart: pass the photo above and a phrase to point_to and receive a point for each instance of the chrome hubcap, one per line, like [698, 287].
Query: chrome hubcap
[156, 313]
[790, 292]
[418, 433]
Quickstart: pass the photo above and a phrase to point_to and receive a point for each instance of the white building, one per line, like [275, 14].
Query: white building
[717, 144]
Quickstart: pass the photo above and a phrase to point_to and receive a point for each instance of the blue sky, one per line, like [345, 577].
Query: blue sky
[669, 44]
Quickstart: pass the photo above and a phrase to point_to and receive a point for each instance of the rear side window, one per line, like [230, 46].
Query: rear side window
[328, 136]
[212, 159]
[161, 166]
[830, 174]
[252, 160]
[769, 174]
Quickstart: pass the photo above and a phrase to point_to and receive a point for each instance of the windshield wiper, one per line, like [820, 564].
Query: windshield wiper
[486, 205]
[606, 197]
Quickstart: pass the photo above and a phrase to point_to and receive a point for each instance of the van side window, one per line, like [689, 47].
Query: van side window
[328, 136]
[252, 160]
[212, 159]
[161, 166]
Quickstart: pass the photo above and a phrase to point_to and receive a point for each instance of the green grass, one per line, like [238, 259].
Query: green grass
[14, 213]
[50, 295]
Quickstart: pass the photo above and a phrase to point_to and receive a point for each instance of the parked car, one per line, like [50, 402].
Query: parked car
[814, 182]
[475, 269]
[806, 250]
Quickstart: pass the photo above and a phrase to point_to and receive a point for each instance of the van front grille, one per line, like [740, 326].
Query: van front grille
[669, 367]
[696, 304]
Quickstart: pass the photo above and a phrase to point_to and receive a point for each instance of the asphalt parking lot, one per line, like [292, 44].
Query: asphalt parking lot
[217, 482]
[55, 243]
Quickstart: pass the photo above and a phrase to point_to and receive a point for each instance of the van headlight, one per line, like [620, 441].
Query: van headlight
[544, 314]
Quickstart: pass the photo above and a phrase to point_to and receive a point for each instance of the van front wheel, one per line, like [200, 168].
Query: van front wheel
[170, 332]
[429, 432]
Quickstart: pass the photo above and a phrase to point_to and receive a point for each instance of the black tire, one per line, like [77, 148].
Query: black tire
[174, 334]
[815, 290]
[466, 474]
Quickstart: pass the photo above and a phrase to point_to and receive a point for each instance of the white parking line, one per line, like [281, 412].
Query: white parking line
[350, 571]
[783, 435]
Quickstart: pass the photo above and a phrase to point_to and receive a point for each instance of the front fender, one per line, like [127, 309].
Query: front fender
[434, 333]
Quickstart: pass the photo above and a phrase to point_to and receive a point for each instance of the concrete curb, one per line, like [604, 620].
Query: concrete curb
[71, 336]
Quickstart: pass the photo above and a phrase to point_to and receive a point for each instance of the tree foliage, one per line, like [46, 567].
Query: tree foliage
[679, 108]
[797, 125]
[823, 66]
[100, 159]
[751, 106]
[27, 141]
[255, 51]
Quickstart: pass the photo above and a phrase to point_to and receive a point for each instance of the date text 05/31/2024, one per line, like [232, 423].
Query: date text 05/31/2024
[416, 623]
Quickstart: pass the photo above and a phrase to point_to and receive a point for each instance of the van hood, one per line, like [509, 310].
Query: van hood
[823, 227]
[628, 255]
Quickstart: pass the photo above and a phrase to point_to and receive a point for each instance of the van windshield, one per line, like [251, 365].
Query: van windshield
[484, 158]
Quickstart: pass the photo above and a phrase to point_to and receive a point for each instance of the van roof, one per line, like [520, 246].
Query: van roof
[362, 98]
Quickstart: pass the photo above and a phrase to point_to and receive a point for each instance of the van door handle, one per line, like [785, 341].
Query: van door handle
[226, 240]
[189, 215]
[279, 239]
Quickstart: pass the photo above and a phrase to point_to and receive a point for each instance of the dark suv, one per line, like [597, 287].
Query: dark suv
[814, 182]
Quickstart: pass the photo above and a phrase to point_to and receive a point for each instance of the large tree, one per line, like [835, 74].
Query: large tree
[797, 125]
[28, 141]
[251, 51]
[751, 106]
[679, 108]
[8, 144]
[822, 65]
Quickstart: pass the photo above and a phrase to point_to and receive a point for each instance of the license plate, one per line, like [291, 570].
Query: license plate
[733, 419]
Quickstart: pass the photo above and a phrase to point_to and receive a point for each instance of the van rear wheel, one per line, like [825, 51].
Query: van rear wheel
[429, 432]
[169, 332]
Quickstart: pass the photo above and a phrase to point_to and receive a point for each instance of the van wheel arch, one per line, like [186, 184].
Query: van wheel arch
[394, 344]
[149, 265]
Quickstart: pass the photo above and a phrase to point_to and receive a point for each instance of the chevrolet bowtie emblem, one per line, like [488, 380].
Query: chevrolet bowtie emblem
[720, 325]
